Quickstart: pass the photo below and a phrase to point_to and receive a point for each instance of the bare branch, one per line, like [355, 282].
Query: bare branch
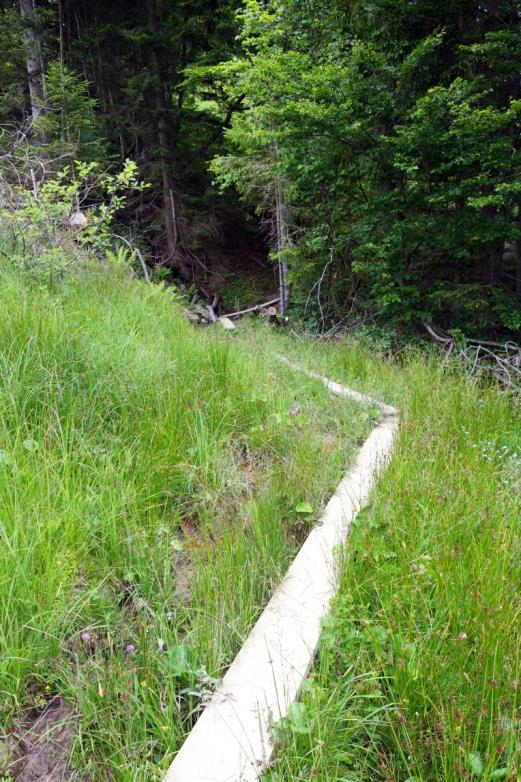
[256, 308]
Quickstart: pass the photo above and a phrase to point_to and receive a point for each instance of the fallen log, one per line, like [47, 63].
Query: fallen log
[255, 308]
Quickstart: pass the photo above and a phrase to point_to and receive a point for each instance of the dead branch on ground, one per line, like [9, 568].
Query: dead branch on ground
[496, 359]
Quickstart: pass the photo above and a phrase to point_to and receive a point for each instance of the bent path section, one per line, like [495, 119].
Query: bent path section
[231, 741]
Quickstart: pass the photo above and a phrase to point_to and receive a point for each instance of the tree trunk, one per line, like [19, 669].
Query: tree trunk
[33, 59]
[281, 227]
[164, 149]
[281, 234]
[496, 261]
[518, 256]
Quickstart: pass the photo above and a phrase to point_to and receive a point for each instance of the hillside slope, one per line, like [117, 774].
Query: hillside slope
[149, 481]
[418, 674]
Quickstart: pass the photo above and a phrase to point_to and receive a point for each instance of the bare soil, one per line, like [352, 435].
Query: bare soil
[39, 748]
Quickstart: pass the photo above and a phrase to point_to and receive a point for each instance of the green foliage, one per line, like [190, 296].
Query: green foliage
[237, 292]
[69, 124]
[148, 478]
[12, 66]
[115, 87]
[40, 225]
[297, 722]
[398, 147]
[390, 131]
[418, 671]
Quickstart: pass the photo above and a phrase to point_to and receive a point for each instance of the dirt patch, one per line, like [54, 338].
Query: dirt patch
[190, 540]
[40, 746]
[330, 442]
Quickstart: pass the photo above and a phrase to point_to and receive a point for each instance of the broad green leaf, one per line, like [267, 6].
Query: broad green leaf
[474, 763]
[298, 718]
[297, 721]
[183, 660]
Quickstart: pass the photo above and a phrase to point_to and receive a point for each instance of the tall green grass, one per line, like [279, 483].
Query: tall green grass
[418, 676]
[149, 475]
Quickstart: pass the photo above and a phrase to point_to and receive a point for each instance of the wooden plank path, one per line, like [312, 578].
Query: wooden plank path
[231, 741]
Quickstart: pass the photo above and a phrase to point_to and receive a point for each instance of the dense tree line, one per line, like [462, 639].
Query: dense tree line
[107, 81]
[394, 128]
[381, 140]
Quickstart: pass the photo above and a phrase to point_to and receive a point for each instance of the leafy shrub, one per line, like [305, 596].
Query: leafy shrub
[57, 227]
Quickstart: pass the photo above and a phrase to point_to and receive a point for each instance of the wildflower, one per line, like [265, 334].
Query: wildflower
[130, 649]
[85, 637]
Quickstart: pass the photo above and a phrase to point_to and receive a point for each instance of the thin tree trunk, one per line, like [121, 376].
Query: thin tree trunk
[164, 145]
[281, 227]
[282, 236]
[60, 25]
[518, 256]
[496, 261]
[33, 59]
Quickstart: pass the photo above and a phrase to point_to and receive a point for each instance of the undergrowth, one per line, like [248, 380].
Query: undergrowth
[155, 483]
[149, 481]
[418, 675]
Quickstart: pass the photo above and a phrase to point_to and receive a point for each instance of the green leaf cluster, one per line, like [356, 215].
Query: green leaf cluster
[396, 137]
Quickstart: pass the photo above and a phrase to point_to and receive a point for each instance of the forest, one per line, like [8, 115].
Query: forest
[260, 364]
[362, 155]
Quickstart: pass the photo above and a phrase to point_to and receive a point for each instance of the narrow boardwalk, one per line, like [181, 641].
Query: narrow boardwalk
[231, 741]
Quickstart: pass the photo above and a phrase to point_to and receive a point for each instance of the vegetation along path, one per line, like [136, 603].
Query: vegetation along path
[344, 169]
[418, 671]
[232, 739]
[156, 482]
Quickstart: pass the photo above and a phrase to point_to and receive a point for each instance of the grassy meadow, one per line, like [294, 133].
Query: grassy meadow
[418, 677]
[150, 478]
[156, 480]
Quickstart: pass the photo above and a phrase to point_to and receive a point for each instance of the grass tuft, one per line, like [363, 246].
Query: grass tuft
[418, 676]
[149, 479]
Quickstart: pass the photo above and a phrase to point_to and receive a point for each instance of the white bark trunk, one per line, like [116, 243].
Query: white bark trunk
[281, 233]
[518, 257]
[281, 224]
[33, 59]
